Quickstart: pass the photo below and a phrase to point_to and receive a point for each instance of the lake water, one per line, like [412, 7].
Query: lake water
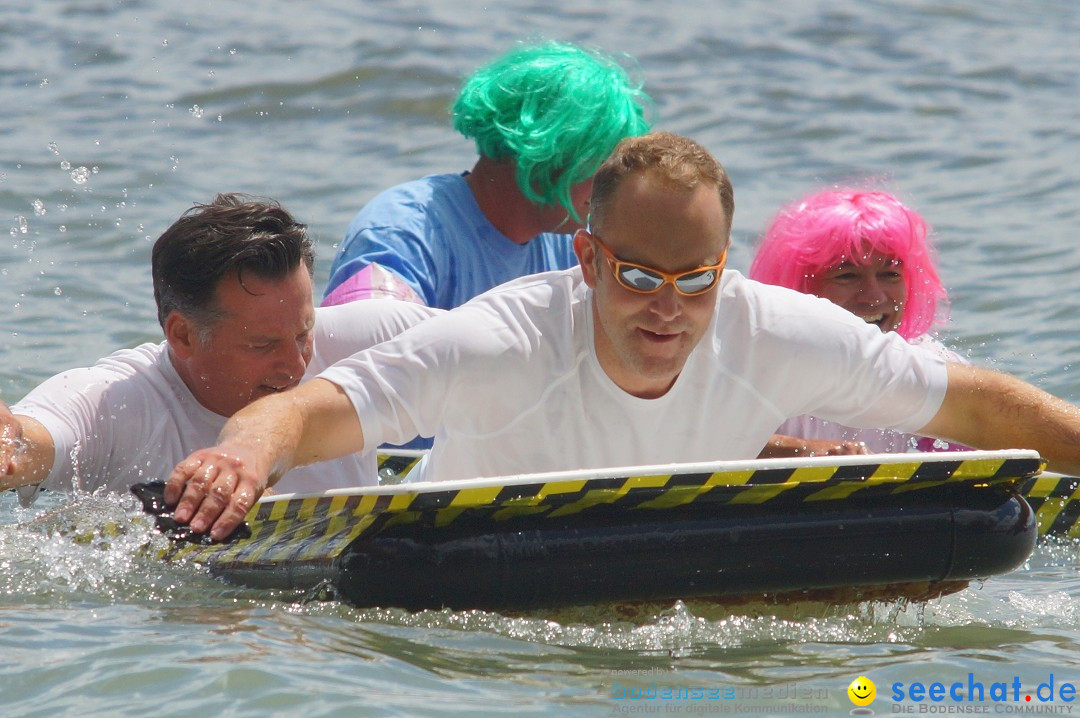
[118, 115]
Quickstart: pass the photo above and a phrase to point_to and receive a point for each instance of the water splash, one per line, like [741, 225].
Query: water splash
[85, 546]
[679, 630]
[21, 226]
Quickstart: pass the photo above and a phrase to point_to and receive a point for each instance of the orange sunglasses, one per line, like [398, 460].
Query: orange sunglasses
[646, 280]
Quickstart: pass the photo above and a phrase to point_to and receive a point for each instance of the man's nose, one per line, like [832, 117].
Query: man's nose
[667, 303]
[294, 358]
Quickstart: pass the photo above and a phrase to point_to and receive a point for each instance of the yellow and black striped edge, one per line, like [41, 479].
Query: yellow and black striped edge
[1056, 501]
[318, 528]
[393, 466]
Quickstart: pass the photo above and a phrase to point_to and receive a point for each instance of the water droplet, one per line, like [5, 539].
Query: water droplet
[58, 291]
[210, 74]
[196, 112]
[44, 82]
[39, 207]
[164, 43]
[62, 229]
[54, 148]
[80, 175]
[219, 118]
[23, 227]
[232, 51]
[65, 165]
[94, 170]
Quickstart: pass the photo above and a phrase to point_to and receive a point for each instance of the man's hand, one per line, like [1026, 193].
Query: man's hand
[782, 447]
[838, 448]
[26, 450]
[214, 489]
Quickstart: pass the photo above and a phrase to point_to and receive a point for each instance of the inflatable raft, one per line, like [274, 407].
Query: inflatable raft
[1055, 498]
[879, 526]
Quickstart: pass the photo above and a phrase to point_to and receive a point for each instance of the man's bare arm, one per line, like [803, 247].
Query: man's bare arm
[989, 410]
[214, 488]
[26, 450]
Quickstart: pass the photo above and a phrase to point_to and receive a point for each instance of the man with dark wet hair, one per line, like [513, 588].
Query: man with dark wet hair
[232, 282]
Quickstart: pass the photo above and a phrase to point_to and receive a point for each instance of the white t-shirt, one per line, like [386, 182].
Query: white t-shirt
[130, 417]
[877, 440]
[509, 382]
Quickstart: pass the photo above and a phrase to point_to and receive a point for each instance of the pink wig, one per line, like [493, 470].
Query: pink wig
[809, 237]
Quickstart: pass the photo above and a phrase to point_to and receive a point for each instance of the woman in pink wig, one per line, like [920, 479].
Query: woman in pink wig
[870, 254]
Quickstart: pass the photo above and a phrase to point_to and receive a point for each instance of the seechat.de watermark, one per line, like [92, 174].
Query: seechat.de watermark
[971, 695]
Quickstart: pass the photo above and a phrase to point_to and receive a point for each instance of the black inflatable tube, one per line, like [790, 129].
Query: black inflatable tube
[711, 551]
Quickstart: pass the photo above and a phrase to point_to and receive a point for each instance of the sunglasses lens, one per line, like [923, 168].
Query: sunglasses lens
[640, 279]
[697, 282]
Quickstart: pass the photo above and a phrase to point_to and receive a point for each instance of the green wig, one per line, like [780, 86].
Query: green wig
[556, 109]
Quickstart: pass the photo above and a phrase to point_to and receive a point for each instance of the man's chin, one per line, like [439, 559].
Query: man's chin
[660, 367]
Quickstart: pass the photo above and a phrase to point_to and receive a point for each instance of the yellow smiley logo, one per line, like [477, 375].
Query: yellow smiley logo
[862, 691]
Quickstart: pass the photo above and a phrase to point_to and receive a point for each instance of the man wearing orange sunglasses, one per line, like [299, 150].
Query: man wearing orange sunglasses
[648, 353]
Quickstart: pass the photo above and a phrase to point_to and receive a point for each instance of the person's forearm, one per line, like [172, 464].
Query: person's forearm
[268, 431]
[989, 410]
[214, 488]
[26, 450]
[313, 423]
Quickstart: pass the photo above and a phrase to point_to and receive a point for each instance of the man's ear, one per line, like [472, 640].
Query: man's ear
[181, 334]
[586, 254]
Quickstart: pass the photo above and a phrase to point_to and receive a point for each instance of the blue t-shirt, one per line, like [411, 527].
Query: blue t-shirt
[431, 234]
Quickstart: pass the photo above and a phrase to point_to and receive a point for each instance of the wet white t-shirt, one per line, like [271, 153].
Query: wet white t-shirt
[130, 417]
[877, 440]
[509, 383]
